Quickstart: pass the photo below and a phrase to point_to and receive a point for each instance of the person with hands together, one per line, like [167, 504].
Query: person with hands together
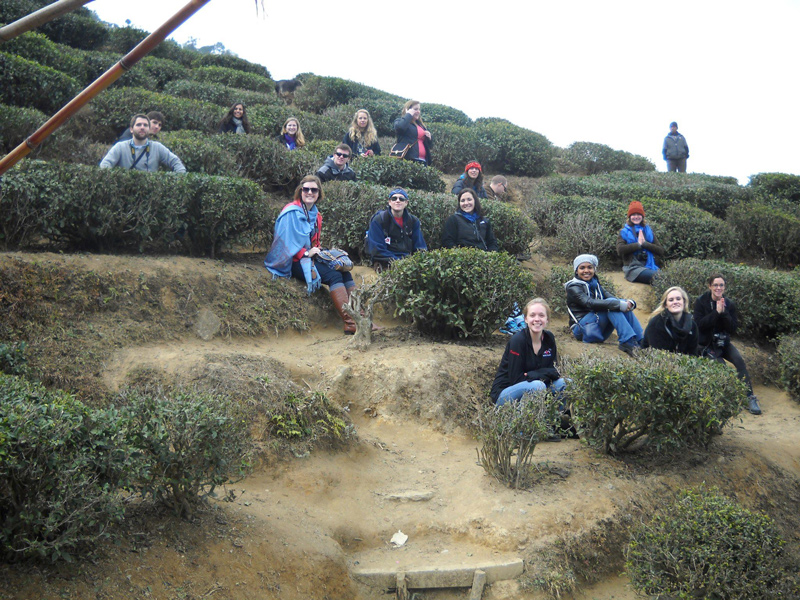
[638, 247]
[297, 242]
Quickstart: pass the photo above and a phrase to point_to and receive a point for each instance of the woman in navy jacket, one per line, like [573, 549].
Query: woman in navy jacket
[411, 130]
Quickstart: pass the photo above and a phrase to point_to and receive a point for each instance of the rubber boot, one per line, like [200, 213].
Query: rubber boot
[339, 297]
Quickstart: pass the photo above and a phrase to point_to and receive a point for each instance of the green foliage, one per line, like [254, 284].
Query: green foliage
[233, 78]
[705, 545]
[112, 112]
[509, 433]
[512, 227]
[229, 61]
[710, 193]
[121, 40]
[768, 301]
[666, 400]
[382, 111]
[439, 113]
[86, 207]
[767, 232]
[78, 28]
[518, 151]
[268, 119]
[216, 94]
[60, 466]
[789, 357]
[27, 83]
[12, 358]
[587, 158]
[16, 124]
[200, 153]
[782, 186]
[455, 146]
[312, 419]
[388, 171]
[457, 292]
[318, 93]
[189, 444]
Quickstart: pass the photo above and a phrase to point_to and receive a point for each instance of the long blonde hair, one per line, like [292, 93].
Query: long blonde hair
[367, 136]
[299, 139]
[662, 306]
[408, 105]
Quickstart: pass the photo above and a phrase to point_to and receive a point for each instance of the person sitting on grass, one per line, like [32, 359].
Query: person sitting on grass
[468, 228]
[594, 314]
[394, 233]
[497, 189]
[672, 327]
[638, 247]
[335, 167]
[471, 178]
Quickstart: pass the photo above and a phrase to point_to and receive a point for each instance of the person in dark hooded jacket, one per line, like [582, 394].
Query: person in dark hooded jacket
[468, 228]
[672, 327]
[335, 167]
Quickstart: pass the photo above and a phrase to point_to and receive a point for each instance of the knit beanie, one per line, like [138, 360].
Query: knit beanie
[400, 191]
[473, 165]
[635, 208]
[673, 124]
[583, 258]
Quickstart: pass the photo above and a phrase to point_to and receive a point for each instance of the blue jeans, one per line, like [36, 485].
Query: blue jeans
[516, 391]
[626, 324]
[330, 277]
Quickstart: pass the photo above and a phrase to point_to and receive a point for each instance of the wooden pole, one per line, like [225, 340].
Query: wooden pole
[38, 18]
[99, 84]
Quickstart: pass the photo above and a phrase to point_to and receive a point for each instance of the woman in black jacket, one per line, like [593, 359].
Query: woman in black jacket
[362, 137]
[529, 361]
[716, 318]
[468, 228]
[671, 327]
[411, 131]
[235, 121]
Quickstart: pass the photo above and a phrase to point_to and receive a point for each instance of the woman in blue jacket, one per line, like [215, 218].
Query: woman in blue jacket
[411, 131]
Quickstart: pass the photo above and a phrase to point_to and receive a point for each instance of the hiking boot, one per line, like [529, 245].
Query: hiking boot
[629, 348]
[752, 404]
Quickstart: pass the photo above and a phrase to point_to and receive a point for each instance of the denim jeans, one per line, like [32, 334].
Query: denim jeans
[626, 324]
[516, 391]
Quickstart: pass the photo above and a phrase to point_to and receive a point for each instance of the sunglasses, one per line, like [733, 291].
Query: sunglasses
[397, 199]
[309, 190]
[341, 154]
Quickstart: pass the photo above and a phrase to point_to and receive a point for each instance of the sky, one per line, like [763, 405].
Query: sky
[612, 72]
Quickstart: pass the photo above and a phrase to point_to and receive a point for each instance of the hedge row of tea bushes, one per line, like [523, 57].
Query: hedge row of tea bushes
[587, 158]
[116, 209]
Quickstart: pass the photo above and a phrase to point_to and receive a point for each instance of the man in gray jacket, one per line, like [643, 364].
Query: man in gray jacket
[675, 150]
[141, 153]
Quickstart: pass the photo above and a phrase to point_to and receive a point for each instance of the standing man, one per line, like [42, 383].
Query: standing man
[393, 233]
[675, 150]
[335, 167]
[139, 152]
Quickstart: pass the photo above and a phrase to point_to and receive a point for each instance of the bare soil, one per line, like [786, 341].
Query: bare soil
[295, 527]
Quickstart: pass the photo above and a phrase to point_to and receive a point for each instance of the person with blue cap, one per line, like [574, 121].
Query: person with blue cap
[394, 232]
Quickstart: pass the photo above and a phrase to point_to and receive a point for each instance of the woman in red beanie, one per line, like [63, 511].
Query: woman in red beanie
[471, 178]
[638, 247]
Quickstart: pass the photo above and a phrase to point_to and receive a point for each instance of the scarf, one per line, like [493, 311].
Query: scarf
[594, 286]
[680, 328]
[471, 217]
[239, 126]
[630, 233]
[295, 229]
[289, 141]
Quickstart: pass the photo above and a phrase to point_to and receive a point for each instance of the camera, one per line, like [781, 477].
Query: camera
[721, 340]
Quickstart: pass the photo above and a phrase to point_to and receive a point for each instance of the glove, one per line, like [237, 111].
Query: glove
[310, 273]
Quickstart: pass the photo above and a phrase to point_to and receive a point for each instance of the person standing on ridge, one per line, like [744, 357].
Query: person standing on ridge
[675, 150]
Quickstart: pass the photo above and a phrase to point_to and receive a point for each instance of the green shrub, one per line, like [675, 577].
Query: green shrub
[200, 153]
[392, 172]
[782, 186]
[112, 112]
[454, 146]
[518, 151]
[77, 28]
[710, 193]
[266, 162]
[16, 124]
[382, 111]
[216, 94]
[512, 227]
[229, 61]
[12, 358]
[767, 232]
[789, 357]
[587, 158]
[268, 119]
[37, 47]
[29, 84]
[509, 433]
[121, 40]
[86, 207]
[190, 443]
[233, 78]
[318, 93]
[310, 420]
[60, 466]
[705, 545]
[439, 113]
[665, 400]
[768, 301]
[457, 292]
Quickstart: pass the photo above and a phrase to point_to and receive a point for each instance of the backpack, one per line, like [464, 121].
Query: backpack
[369, 249]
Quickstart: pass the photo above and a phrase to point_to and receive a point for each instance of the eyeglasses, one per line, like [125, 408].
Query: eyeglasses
[718, 285]
[397, 199]
[344, 155]
[309, 190]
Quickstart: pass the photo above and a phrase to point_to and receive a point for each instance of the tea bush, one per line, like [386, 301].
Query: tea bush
[60, 467]
[12, 358]
[229, 61]
[391, 172]
[190, 444]
[518, 151]
[86, 207]
[233, 78]
[22, 83]
[382, 111]
[319, 93]
[782, 186]
[112, 112]
[707, 192]
[310, 420]
[268, 119]
[455, 146]
[37, 47]
[706, 545]
[440, 113]
[121, 40]
[789, 358]
[509, 433]
[768, 301]
[457, 292]
[77, 28]
[216, 94]
[16, 124]
[665, 400]
[512, 227]
[200, 153]
[767, 232]
[587, 158]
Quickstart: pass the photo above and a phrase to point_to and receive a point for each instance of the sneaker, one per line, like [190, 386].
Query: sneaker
[752, 404]
[629, 348]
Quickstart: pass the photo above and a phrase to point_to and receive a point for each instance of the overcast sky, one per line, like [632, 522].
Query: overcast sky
[613, 72]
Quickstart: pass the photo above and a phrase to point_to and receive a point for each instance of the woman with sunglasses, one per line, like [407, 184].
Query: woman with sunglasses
[411, 132]
[297, 242]
[393, 233]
